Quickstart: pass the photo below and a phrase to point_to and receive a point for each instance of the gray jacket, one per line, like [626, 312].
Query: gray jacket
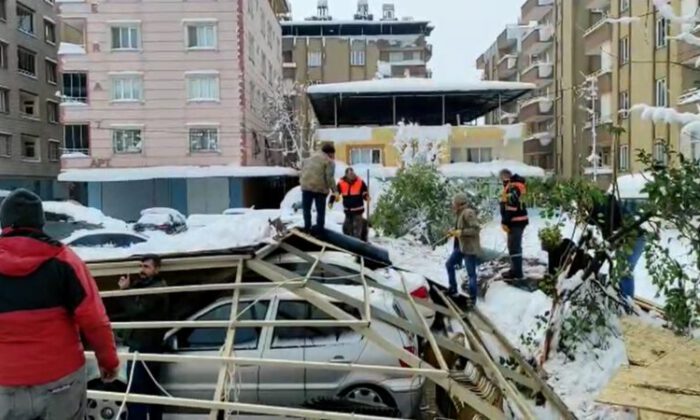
[318, 174]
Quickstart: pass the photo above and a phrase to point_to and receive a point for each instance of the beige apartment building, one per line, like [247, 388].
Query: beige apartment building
[327, 49]
[633, 62]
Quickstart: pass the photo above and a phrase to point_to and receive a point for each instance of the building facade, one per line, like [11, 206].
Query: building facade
[184, 85]
[30, 130]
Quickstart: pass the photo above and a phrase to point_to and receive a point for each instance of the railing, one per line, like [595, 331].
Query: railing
[603, 21]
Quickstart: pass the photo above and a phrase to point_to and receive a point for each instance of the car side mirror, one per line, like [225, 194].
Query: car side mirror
[172, 342]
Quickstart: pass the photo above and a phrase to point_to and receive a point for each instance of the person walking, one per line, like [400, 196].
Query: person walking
[354, 192]
[630, 210]
[514, 219]
[152, 307]
[467, 245]
[317, 180]
[48, 300]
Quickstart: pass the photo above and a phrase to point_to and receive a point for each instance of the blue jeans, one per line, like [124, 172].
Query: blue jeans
[470, 262]
[308, 199]
[627, 282]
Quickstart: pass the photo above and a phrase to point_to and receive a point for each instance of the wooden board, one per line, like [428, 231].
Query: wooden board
[647, 344]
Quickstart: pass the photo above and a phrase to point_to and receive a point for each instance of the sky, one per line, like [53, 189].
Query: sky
[464, 29]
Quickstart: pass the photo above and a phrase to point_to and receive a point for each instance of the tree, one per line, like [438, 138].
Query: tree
[287, 133]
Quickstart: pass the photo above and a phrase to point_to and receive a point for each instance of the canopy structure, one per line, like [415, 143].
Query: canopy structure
[423, 101]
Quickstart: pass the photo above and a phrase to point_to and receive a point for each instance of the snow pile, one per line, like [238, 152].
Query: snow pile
[344, 134]
[66, 48]
[631, 185]
[74, 155]
[415, 85]
[235, 232]
[80, 213]
[167, 172]
[490, 169]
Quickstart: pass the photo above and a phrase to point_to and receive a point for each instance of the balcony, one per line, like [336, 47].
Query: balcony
[690, 96]
[688, 53]
[597, 4]
[540, 74]
[535, 10]
[538, 40]
[507, 66]
[596, 35]
[506, 41]
[536, 109]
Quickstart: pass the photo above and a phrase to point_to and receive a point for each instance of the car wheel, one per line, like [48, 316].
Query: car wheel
[368, 395]
[103, 409]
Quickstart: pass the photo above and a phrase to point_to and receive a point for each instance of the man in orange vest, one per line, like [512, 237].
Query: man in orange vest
[354, 192]
[513, 220]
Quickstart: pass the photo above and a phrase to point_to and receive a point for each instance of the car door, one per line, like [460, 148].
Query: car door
[284, 385]
[197, 379]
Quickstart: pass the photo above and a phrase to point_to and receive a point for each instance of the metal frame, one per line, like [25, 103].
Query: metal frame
[320, 295]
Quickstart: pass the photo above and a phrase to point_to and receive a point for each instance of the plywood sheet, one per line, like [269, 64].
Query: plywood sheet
[647, 344]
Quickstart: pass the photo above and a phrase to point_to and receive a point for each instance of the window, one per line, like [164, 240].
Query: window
[661, 97]
[76, 138]
[5, 145]
[52, 112]
[624, 104]
[288, 337]
[49, 32]
[246, 338]
[624, 53]
[357, 58]
[3, 54]
[75, 87]
[25, 19]
[367, 156]
[4, 101]
[28, 106]
[395, 56]
[479, 154]
[30, 147]
[204, 139]
[201, 36]
[127, 88]
[624, 160]
[203, 87]
[51, 72]
[3, 10]
[660, 153]
[26, 61]
[314, 59]
[624, 5]
[661, 32]
[126, 37]
[54, 150]
[127, 140]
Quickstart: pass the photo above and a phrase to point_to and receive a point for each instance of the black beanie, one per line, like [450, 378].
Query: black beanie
[22, 209]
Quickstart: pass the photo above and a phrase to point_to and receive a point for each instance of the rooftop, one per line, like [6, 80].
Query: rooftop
[355, 27]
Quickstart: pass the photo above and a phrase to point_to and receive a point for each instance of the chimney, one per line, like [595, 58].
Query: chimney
[322, 10]
[363, 11]
[388, 12]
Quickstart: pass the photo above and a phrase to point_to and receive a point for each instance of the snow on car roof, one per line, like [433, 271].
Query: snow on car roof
[80, 213]
[83, 233]
[162, 210]
[414, 84]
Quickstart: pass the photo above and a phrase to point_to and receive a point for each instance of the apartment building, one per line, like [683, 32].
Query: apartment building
[150, 84]
[525, 52]
[324, 49]
[30, 130]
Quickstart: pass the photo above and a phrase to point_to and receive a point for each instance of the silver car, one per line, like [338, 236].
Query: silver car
[294, 386]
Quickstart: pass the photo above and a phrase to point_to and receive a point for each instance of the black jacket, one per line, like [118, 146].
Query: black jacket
[354, 195]
[145, 308]
[513, 208]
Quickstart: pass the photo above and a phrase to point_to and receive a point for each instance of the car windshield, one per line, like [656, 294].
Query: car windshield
[155, 219]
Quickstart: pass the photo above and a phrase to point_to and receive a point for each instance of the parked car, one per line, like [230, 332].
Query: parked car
[65, 218]
[161, 219]
[292, 386]
[104, 238]
[417, 285]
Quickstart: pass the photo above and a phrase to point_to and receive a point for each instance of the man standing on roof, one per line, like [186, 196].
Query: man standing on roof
[48, 299]
[151, 307]
[317, 180]
[354, 192]
[514, 219]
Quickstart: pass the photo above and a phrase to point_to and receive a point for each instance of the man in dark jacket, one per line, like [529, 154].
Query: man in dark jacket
[514, 219]
[47, 300]
[354, 192]
[317, 180]
[151, 307]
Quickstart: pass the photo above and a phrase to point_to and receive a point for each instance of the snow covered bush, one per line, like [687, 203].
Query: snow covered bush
[421, 145]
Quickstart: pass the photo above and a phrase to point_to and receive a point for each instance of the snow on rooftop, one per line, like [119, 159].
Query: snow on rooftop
[66, 48]
[490, 169]
[631, 185]
[166, 172]
[414, 84]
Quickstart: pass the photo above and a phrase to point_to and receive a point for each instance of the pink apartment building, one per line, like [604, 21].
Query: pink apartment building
[162, 101]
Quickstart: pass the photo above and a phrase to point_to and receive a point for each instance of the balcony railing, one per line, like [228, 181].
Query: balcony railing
[535, 9]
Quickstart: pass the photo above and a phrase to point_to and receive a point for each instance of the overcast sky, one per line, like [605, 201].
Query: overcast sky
[463, 28]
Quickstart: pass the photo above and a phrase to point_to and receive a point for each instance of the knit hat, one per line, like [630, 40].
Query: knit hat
[460, 199]
[22, 209]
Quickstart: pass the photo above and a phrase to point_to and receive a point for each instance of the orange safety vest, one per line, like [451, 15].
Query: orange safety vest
[353, 198]
[520, 212]
[347, 189]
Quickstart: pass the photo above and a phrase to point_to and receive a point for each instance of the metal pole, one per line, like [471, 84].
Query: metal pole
[444, 116]
[335, 111]
[594, 134]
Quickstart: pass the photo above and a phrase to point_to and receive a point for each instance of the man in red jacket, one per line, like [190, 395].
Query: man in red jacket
[47, 300]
